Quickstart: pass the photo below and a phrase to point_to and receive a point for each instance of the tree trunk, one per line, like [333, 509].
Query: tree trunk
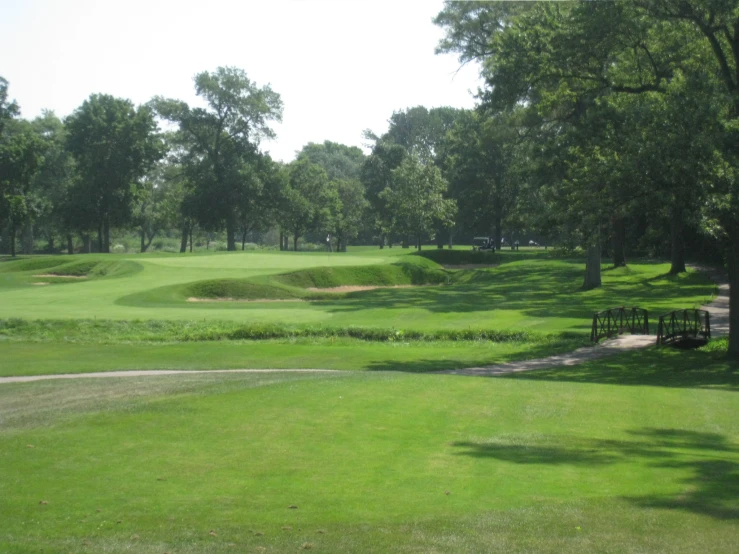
[243, 241]
[143, 241]
[27, 237]
[592, 267]
[106, 236]
[732, 259]
[450, 239]
[619, 241]
[418, 242]
[282, 241]
[5, 240]
[12, 240]
[87, 241]
[677, 256]
[183, 240]
[70, 244]
[230, 233]
[190, 238]
[295, 243]
[499, 232]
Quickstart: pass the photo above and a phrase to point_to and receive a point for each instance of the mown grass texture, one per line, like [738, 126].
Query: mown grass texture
[378, 462]
[527, 291]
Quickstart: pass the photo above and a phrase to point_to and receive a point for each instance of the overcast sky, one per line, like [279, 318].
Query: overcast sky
[341, 66]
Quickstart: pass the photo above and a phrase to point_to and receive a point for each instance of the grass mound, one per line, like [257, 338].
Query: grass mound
[460, 257]
[418, 272]
[31, 264]
[95, 268]
[237, 289]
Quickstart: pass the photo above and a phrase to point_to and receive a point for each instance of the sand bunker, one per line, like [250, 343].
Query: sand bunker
[470, 266]
[47, 275]
[357, 288]
[40, 283]
[193, 299]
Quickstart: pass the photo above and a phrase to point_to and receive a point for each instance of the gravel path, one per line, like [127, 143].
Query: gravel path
[718, 308]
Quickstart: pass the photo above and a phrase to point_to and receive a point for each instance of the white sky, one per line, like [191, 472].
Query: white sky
[341, 66]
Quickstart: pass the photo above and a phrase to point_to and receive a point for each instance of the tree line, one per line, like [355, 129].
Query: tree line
[109, 166]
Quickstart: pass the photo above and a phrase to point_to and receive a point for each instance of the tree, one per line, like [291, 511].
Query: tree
[307, 201]
[8, 109]
[21, 156]
[222, 142]
[349, 210]
[376, 176]
[478, 161]
[114, 145]
[338, 160]
[51, 185]
[415, 199]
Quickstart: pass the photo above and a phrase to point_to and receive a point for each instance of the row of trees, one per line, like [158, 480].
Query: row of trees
[107, 166]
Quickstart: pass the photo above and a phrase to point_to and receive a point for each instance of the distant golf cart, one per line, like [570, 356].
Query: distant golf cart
[483, 244]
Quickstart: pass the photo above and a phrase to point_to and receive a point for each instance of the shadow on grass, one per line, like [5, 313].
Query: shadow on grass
[551, 291]
[711, 488]
[656, 366]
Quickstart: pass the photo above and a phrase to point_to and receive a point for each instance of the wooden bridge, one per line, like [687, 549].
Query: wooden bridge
[684, 327]
[616, 321]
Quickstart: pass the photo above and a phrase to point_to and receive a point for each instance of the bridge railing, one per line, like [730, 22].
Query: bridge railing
[683, 324]
[615, 321]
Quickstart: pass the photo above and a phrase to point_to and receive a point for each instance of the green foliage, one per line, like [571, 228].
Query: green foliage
[220, 150]
[114, 145]
[415, 199]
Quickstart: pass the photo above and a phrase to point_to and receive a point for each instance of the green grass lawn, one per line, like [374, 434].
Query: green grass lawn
[528, 291]
[635, 453]
[629, 454]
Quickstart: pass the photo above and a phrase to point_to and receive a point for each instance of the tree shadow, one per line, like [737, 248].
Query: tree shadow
[711, 489]
[656, 366]
[536, 293]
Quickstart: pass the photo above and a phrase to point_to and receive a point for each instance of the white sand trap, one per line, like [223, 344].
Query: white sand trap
[40, 283]
[357, 288]
[193, 299]
[47, 275]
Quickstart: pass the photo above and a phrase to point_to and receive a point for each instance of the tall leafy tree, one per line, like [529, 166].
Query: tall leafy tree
[415, 199]
[338, 160]
[307, 200]
[114, 145]
[376, 177]
[222, 142]
[53, 181]
[21, 157]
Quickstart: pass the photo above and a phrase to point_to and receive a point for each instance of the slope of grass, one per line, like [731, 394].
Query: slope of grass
[374, 462]
[418, 271]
